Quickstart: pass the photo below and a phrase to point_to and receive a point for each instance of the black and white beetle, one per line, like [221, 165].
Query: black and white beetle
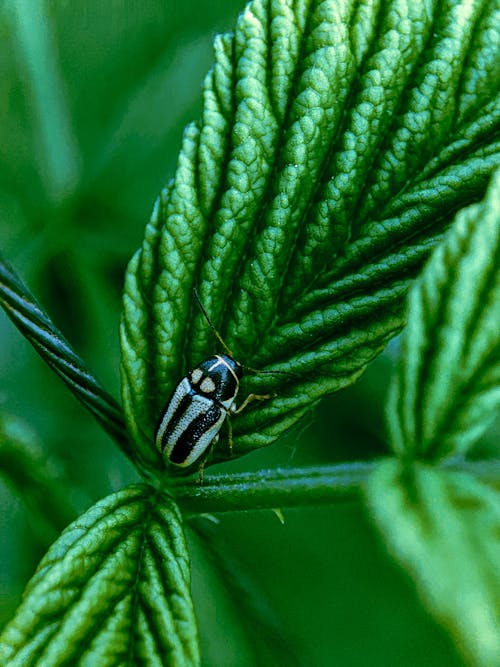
[196, 410]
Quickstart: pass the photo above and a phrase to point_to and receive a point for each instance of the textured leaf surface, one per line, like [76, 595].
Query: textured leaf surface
[112, 590]
[336, 142]
[448, 387]
[444, 527]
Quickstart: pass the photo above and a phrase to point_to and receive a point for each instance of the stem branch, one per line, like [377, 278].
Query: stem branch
[293, 487]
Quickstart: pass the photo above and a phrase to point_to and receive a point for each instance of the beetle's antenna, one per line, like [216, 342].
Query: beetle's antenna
[257, 372]
[221, 341]
[217, 334]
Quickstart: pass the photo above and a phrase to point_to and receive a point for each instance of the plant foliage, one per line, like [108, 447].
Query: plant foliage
[112, 590]
[444, 526]
[448, 388]
[337, 143]
[325, 167]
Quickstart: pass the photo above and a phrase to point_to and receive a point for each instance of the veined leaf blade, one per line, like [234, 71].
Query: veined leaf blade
[444, 528]
[447, 389]
[112, 590]
[336, 143]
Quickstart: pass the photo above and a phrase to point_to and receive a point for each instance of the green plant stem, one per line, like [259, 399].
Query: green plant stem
[28, 316]
[293, 487]
[270, 489]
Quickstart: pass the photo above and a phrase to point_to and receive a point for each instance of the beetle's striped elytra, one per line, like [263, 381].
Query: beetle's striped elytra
[203, 399]
[197, 409]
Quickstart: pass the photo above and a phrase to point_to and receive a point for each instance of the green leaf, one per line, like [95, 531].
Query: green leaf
[336, 142]
[447, 389]
[112, 590]
[444, 528]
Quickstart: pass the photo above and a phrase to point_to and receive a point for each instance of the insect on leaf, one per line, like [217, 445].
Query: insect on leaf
[336, 142]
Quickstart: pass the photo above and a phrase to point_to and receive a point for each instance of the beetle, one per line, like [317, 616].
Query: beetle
[199, 405]
[197, 409]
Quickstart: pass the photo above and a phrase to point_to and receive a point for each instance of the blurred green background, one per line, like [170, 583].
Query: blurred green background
[94, 97]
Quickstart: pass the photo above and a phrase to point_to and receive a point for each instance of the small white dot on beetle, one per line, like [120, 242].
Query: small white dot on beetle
[196, 375]
[208, 385]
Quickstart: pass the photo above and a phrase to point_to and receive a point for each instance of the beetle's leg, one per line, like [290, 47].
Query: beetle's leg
[231, 411]
[253, 397]
[199, 479]
[234, 411]
[230, 430]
